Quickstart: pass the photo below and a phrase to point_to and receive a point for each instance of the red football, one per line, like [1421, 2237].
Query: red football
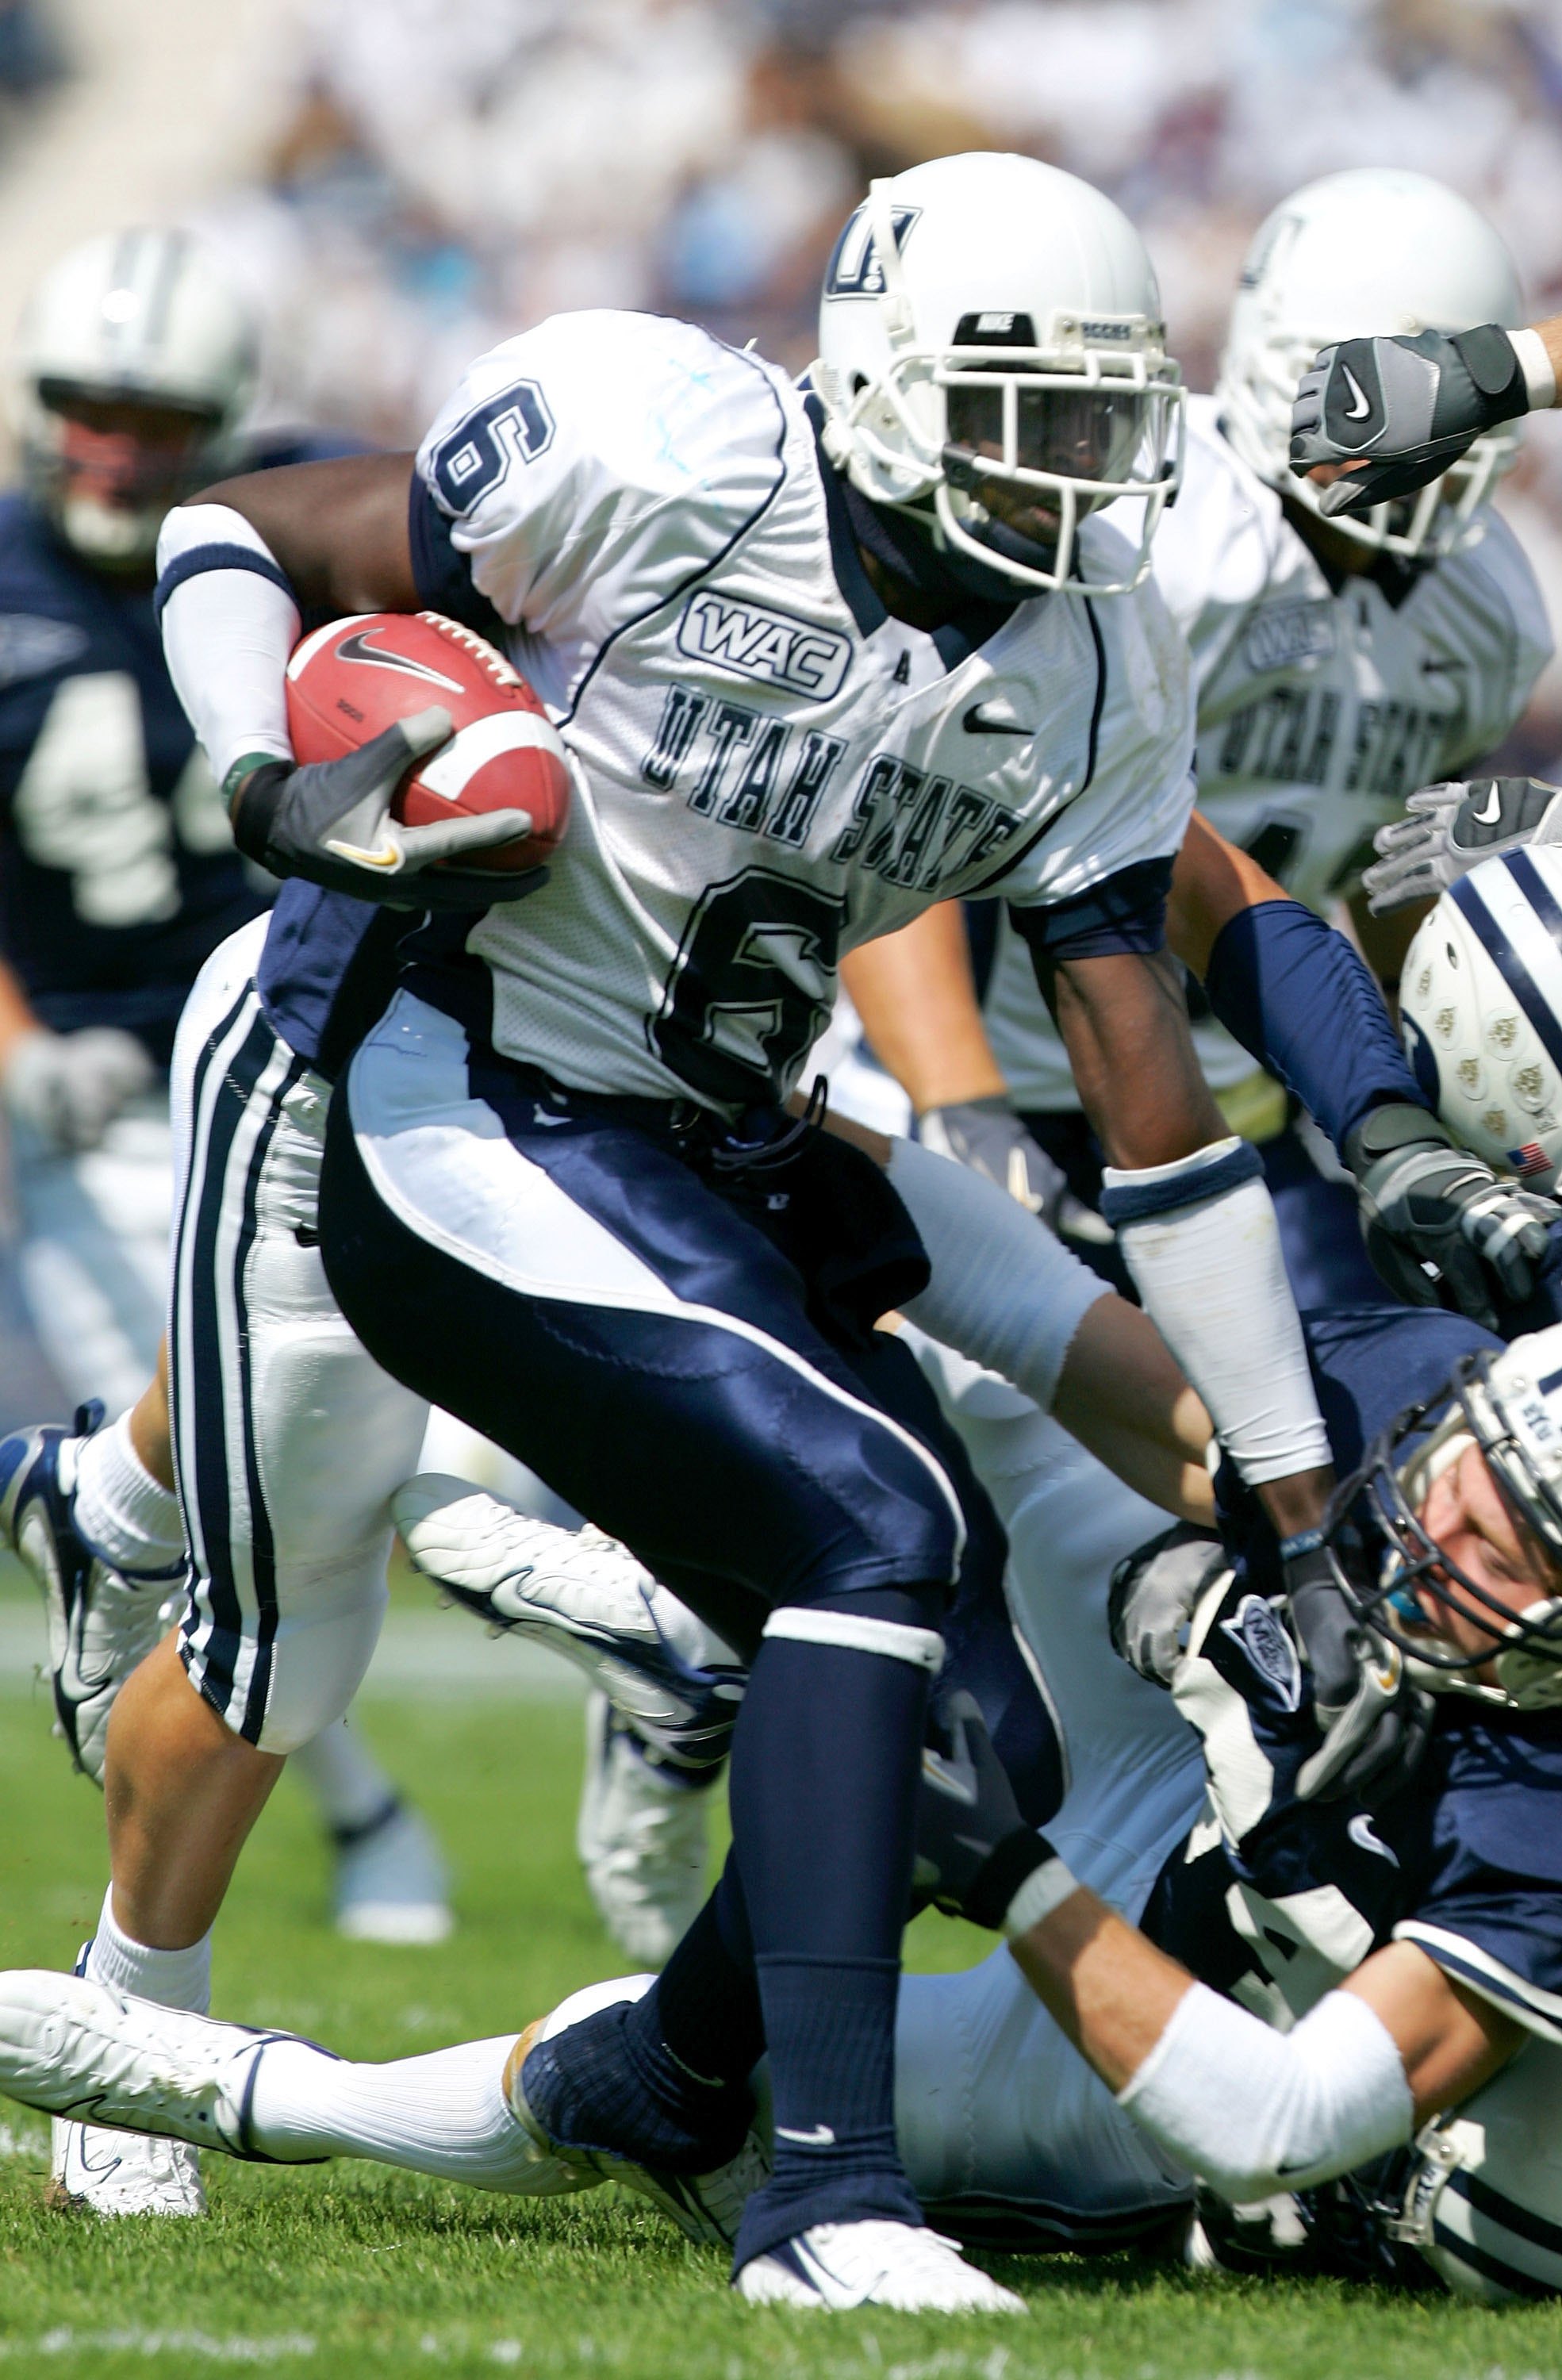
[350, 681]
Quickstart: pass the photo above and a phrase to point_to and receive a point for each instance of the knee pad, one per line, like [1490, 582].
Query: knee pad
[319, 1655]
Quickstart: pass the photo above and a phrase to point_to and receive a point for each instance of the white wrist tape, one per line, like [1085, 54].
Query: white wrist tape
[1540, 377]
[1213, 1281]
[1045, 1889]
[1004, 1292]
[1254, 2112]
[227, 633]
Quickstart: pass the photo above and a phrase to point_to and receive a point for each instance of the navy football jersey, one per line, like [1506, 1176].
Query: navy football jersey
[1275, 1900]
[117, 871]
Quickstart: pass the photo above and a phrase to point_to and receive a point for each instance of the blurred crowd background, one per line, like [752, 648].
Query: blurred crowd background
[398, 183]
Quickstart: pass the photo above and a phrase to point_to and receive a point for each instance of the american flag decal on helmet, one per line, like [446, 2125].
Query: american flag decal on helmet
[1531, 1159]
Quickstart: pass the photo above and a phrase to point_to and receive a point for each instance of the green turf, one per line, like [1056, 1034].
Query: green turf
[352, 2269]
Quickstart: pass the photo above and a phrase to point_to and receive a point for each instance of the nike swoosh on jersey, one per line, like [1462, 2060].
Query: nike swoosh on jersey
[1360, 1833]
[821, 2137]
[1491, 808]
[359, 649]
[1361, 408]
[540, 1115]
[977, 721]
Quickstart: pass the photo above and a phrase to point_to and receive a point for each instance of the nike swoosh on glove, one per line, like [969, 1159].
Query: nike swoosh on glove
[986, 1136]
[1423, 1200]
[1374, 1722]
[1449, 829]
[329, 822]
[1410, 407]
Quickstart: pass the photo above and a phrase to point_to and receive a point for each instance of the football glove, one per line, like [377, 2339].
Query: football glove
[1410, 407]
[1374, 1724]
[1449, 830]
[988, 1136]
[1154, 1593]
[1424, 1201]
[69, 1086]
[974, 1849]
[329, 822]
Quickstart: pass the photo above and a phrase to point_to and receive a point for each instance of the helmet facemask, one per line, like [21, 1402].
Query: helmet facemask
[1495, 1407]
[1070, 414]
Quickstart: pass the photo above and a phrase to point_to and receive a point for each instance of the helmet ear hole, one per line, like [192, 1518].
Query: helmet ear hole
[859, 381]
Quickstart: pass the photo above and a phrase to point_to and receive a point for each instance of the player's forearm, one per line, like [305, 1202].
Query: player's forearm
[1122, 1394]
[1549, 334]
[916, 996]
[1246, 2108]
[16, 1013]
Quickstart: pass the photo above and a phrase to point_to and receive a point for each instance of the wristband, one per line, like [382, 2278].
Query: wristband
[253, 802]
[1045, 1889]
[1540, 373]
[1306, 1541]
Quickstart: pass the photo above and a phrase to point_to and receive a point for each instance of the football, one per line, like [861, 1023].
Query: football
[348, 682]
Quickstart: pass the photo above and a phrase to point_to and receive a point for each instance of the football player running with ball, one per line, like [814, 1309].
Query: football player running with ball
[1338, 661]
[820, 659]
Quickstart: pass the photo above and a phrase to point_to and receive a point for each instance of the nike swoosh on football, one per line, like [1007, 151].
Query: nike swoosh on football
[358, 648]
[976, 722]
[1359, 410]
[1491, 808]
[821, 2137]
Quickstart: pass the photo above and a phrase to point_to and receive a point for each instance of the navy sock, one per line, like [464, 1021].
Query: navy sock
[665, 2080]
[824, 1766]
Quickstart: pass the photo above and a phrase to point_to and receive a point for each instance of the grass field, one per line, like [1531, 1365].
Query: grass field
[353, 2269]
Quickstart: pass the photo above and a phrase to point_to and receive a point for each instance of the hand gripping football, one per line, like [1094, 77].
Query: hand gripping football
[348, 682]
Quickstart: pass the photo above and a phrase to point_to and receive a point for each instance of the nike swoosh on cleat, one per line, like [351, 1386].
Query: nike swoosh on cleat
[1491, 808]
[821, 2137]
[1361, 408]
[978, 723]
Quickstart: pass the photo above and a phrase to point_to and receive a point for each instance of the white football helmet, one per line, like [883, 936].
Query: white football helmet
[1372, 250]
[1481, 1012]
[141, 319]
[989, 322]
[1483, 2201]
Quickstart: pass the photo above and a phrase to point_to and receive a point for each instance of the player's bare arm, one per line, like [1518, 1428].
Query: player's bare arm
[338, 530]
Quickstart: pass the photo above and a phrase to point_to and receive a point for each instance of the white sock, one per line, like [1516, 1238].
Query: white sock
[446, 2114]
[129, 1517]
[345, 1778]
[179, 1979]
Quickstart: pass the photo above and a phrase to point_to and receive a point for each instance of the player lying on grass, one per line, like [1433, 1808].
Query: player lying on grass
[1412, 1950]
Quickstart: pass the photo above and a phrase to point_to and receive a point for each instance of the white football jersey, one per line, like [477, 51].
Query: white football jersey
[768, 769]
[1319, 707]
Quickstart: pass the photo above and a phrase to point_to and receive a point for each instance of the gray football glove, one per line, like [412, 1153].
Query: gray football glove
[69, 1086]
[974, 1849]
[1449, 829]
[1155, 1592]
[1410, 407]
[1423, 1200]
[988, 1136]
[1374, 1724]
[329, 822]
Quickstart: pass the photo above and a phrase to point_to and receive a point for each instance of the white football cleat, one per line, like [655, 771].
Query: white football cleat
[74, 2048]
[877, 2262]
[643, 1838]
[102, 1622]
[707, 2207]
[392, 1884]
[122, 2173]
[583, 1594]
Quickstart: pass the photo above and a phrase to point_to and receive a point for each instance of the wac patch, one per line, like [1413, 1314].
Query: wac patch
[755, 641]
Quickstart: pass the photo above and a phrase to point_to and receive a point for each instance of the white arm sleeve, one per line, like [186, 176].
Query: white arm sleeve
[1004, 1292]
[1213, 1281]
[226, 638]
[1254, 2112]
